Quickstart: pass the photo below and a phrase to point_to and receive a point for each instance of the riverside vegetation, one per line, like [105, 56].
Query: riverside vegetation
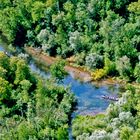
[102, 35]
[30, 107]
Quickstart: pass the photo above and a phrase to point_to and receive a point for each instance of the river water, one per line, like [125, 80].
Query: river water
[89, 96]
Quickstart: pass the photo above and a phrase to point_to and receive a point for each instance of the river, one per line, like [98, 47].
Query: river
[89, 96]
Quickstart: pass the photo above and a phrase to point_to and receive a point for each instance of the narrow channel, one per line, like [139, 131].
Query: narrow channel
[89, 97]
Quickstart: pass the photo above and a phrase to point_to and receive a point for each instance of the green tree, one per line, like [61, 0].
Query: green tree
[57, 70]
[37, 11]
[22, 72]
[3, 72]
[62, 133]
[4, 60]
[5, 90]
[109, 66]
[26, 131]
[126, 133]
[137, 72]
[135, 7]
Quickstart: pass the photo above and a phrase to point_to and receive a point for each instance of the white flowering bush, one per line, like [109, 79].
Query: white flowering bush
[49, 45]
[113, 110]
[121, 101]
[45, 47]
[100, 135]
[42, 37]
[124, 67]
[126, 117]
[23, 56]
[94, 61]
[115, 135]
[74, 41]
[84, 136]
[115, 123]
[97, 135]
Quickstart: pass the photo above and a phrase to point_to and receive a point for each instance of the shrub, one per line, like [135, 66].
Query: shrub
[94, 61]
[87, 124]
[124, 67]
[62, 133]
[126, 117]
[97, 47]
[75, 41]
[98, 74]
[43, 36]
[126, 132]
[100, 135]
[80, 58]
[136, 135]
[110, 66]
[57, 70]
[137, 72]
[2, 72]
[26, 131]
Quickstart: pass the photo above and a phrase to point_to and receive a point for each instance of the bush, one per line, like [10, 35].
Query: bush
[126, 133]
[57, 70]
[31, 37]
[75, 41]
[124, 67]
[110, 66]
[94, 61]
[2, 72]
[87, 124]
[43, 36]
[62, 133]
[100, 135]
[136, 135]
[26, 131]
[98, 74]
[80, 58]
[137, 72]
[97, 47]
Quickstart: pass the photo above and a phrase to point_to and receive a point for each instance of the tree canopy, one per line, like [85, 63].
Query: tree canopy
[30, 107]
[70, 27]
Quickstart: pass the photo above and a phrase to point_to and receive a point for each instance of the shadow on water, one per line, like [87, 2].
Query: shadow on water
[89, 96]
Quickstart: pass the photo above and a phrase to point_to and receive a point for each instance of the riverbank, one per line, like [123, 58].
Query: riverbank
[76, 72]
[43, 58]
[89, 95]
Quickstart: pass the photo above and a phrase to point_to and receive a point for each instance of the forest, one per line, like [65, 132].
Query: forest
[104, 32]
[101, 35]
[30, 107]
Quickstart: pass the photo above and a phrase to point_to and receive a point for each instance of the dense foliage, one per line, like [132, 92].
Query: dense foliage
[31, 108]
[103, 35]
[92, 30]
[57, 70]
[121, 122]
